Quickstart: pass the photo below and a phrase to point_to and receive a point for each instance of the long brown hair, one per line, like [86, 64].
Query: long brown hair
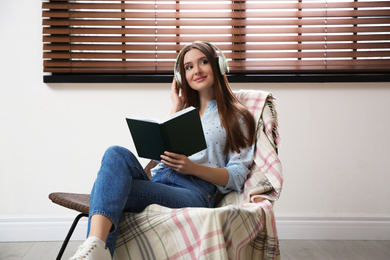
[230, 108]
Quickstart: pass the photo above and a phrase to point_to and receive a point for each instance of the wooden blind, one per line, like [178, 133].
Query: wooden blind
[256, 36]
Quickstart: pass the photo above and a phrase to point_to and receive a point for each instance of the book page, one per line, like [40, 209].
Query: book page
[181, 112]
[144, 119]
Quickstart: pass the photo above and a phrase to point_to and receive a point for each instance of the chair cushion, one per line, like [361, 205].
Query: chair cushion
[75, 201]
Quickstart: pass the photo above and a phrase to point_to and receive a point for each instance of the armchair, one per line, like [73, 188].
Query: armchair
[241, 226]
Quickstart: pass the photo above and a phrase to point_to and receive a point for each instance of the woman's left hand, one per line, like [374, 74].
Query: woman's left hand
[178, 162]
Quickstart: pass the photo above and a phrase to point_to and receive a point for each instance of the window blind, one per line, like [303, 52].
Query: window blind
[256, 36]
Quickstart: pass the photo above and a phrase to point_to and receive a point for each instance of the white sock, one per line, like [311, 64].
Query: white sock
[98, 240]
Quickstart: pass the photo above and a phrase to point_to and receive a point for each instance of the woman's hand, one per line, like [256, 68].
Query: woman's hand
[177, 99]
[178, 162]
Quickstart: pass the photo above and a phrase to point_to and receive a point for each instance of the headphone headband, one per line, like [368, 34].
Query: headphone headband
[221, 61]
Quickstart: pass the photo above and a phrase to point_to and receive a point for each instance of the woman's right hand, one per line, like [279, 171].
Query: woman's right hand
[176, 97]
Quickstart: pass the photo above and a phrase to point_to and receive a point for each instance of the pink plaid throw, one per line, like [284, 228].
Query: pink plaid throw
[242, 226]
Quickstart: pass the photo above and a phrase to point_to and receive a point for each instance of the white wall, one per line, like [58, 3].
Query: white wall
[335, 139]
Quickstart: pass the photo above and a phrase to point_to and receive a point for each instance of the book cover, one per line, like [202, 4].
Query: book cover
[180, 133]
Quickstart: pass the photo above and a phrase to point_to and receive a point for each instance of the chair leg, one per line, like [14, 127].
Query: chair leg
[68, 236]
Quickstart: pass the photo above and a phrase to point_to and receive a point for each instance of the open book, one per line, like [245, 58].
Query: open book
[180, 133]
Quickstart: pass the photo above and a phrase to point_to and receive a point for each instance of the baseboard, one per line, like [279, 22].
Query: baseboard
[40, 228]
[335, 227]
[290, 226]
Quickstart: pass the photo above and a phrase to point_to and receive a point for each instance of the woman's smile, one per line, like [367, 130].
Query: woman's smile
[200, 78]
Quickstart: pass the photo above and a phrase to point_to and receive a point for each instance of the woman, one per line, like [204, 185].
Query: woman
[178, 181]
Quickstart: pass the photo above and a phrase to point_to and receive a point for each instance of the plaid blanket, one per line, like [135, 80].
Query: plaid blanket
[242, 226]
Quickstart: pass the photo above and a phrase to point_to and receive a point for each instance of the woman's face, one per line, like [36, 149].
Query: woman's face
[198, 71]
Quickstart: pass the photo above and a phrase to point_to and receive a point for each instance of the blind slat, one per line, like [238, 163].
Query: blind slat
[218, 38]
[181, 31]
[215, 22]
[246, 63]
[245, 55]
[212, 5]
[223, 47]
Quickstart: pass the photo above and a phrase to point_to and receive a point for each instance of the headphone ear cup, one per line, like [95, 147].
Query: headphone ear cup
[222, 65]
[178, 78]
[176, 72]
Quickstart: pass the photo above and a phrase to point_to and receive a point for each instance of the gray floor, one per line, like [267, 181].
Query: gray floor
[290, 250]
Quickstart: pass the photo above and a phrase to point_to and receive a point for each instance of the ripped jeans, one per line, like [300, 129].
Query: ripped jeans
[122, 185]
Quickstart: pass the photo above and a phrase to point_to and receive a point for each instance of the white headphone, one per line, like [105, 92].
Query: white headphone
[221, 61]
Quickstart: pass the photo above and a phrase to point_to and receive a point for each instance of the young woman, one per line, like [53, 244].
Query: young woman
[178, 181]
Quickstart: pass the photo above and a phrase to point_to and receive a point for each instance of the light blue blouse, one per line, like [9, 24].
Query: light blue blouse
[237, 164]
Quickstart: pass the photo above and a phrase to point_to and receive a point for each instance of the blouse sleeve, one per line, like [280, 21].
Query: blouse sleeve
[238, 166]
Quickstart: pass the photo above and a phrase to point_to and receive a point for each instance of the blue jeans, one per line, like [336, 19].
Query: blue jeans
[122, 185]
